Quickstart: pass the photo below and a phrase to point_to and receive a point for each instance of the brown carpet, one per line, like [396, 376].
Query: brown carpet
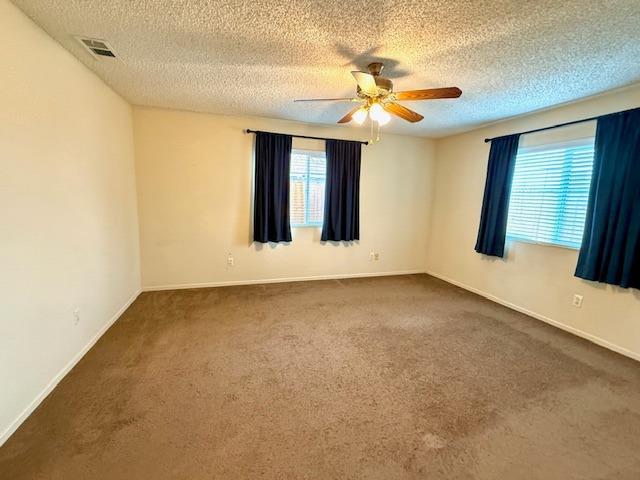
[381, 378]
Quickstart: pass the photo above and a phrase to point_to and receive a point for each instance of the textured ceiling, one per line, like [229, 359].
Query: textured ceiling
[254, 57]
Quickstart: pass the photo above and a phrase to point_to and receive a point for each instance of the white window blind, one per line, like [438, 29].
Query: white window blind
[549, 194]
[308, 174]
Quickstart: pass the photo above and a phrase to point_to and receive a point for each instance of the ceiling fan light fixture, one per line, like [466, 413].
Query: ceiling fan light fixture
[383, 118]
[376, 112]
[360, 116]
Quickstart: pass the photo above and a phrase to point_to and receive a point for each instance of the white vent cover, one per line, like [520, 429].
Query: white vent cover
[96, 47]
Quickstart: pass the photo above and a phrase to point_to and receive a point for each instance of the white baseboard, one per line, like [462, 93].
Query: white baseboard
[550, 321]
[4, 436]
[183, 286]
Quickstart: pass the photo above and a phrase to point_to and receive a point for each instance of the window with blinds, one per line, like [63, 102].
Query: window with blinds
[308, 174]
[549, 194]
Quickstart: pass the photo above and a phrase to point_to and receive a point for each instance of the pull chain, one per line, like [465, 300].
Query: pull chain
[374, 126]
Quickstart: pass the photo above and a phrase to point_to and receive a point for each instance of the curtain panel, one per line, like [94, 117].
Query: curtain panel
[271, 221]
[610, 251]
[497, 189]
[342, 191]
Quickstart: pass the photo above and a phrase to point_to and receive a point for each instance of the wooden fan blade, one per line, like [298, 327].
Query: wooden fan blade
[402, 112]
[326, 100]
[366, 82]
[347, 117]
[429, 94]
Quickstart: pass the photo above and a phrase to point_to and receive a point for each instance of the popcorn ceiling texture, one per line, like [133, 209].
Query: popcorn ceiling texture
[254, 58]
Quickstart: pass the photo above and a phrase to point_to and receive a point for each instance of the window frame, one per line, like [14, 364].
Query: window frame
[576, 142]
[310, 153]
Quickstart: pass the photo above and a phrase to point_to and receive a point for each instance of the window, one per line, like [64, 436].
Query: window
[550, 192]
[308, 174]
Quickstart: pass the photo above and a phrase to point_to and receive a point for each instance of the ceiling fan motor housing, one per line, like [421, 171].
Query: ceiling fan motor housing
[382, 83]
[375, 68]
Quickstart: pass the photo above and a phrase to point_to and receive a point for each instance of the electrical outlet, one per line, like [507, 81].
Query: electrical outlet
[230, 260]
[577, 301]
[76, 316]
[376, 256]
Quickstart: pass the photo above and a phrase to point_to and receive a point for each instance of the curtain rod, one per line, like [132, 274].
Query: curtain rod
[590, 119]
[305, 136]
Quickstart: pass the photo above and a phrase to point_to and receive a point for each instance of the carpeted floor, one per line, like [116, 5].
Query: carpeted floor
[381, 378]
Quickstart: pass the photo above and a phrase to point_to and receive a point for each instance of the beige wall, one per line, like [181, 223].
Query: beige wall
[535, 278]
[194, 195]
[67, 209]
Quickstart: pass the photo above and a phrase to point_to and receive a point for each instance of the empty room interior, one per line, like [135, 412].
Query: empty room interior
[319, 240]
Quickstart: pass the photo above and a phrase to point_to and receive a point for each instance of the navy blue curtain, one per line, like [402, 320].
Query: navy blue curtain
[497, 189]
[271, 194]
[610, 251]
[342, 191]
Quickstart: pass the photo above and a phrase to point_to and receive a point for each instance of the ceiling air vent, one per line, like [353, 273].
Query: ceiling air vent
[96, 47]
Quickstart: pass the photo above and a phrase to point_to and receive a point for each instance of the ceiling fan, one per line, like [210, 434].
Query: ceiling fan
[376, 98]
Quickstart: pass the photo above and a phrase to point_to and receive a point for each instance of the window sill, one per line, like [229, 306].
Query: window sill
[306, 226]
[544, 244]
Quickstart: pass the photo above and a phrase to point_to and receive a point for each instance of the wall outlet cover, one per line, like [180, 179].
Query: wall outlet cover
[577, 300]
